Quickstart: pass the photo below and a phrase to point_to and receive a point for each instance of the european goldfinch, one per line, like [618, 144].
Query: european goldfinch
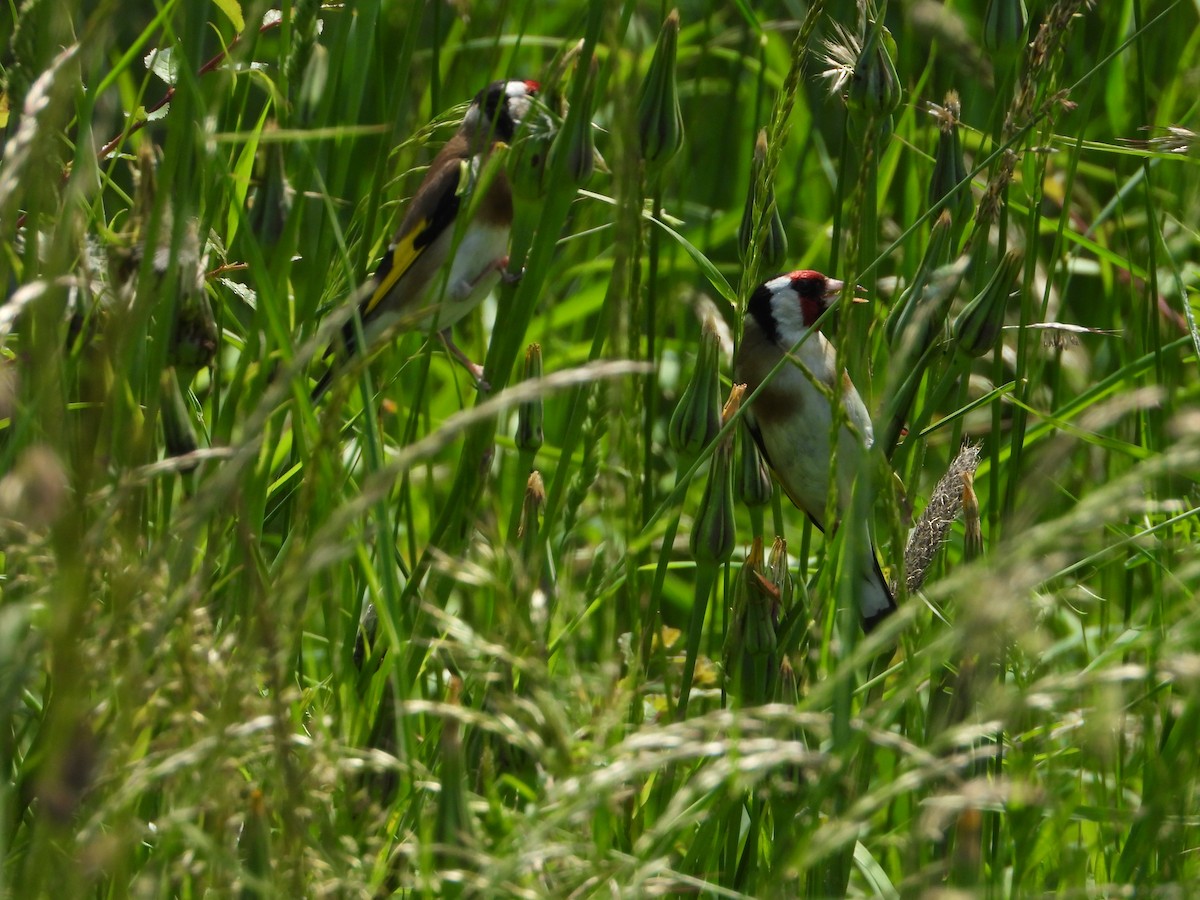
[791, 420]
[434, 271]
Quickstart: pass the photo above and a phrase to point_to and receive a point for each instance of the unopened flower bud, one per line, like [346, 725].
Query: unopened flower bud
[752, 638]
[713, 533]
[978, 326]
[874, 86]
[949, 166]
[762, 617]
[908, 310]
[753, 482]
[780, 574]
[774, 246]
[762, 604]
[575, 139]
[697, 418]
[558, 73]
[532, 505]
[735, 636]
[254, 840]
[528, 157]
[660, 123]
[529, 434]
[454, 828]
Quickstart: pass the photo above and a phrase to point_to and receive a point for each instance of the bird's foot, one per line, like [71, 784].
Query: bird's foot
[506, 276]
[481, 384]
[474, 368]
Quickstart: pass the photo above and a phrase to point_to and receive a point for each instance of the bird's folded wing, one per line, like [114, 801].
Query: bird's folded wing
[756, 433]
[432, 212]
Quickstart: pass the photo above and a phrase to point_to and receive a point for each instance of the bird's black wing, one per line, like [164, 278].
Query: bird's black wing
[433, 211]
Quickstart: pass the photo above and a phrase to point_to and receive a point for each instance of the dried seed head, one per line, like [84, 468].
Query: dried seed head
[993, 196]
[934, 522]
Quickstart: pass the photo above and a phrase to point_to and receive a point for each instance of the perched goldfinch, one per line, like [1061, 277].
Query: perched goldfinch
[791, 419]
[409, 286]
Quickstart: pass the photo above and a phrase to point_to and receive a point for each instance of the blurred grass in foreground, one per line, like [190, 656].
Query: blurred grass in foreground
[188, 710]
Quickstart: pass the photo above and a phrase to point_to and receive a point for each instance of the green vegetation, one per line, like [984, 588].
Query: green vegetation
[568, 685]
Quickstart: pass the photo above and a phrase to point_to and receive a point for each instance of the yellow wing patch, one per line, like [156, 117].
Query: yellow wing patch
[404, 254]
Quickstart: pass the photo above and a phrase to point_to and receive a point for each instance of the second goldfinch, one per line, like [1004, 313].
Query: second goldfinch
[791, 420]
[434, 271]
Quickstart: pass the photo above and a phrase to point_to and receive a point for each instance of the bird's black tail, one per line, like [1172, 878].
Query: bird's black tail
[879, 602]
[339, 349]
[325, 381]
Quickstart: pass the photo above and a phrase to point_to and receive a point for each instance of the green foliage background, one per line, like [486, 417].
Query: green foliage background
[183, 710]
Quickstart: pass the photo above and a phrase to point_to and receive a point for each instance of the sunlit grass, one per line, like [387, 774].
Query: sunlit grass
[347, 648]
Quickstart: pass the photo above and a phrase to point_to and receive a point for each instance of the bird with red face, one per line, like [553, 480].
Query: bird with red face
[791, 420]
[437, 270]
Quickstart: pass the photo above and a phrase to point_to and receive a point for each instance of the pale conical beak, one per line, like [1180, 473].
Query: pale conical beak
[833, 290]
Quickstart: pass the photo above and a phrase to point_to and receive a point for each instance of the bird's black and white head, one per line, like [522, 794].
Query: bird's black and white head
[787, 306]
[498, 109]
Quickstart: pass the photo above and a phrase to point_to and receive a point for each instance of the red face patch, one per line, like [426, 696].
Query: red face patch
[811, 308]
[811, 287]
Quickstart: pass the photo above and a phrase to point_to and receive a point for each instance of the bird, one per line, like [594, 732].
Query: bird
[408, 289]
[791, 420]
